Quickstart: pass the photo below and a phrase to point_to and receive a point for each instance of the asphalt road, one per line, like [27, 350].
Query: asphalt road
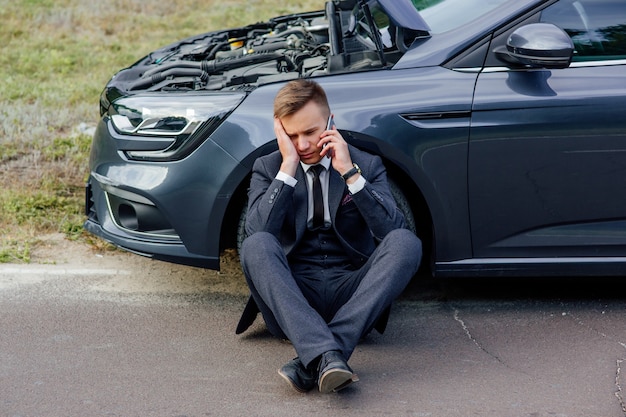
[72, 346]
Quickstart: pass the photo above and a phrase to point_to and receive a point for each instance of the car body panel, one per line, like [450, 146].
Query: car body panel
[417, 134]
[550, 185]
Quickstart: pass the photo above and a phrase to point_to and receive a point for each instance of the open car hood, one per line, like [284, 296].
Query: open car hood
[283, 48]
[403, 14]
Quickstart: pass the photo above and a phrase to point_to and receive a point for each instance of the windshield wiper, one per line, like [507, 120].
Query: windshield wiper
[374, 31]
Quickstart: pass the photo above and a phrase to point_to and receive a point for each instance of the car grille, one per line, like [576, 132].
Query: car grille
[90, 210]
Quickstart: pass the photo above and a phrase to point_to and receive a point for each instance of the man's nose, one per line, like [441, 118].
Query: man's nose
[302, 143]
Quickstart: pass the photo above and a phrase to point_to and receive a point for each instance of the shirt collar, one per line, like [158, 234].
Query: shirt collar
[325, 162]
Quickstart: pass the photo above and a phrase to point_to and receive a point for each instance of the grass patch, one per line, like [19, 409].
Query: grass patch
[55, 58]
[15, 252]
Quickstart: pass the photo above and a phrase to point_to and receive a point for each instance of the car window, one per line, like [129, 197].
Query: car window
[597, 27]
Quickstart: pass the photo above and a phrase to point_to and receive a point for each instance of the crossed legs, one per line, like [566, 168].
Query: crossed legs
[285, 308]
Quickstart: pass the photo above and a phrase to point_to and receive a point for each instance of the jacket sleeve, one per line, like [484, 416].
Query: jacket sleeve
[269, 200]
[375, 202]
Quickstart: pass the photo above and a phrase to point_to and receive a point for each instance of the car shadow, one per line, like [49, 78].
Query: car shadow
[515, 288]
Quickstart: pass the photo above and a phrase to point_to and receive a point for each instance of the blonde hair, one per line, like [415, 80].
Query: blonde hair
[296, 94]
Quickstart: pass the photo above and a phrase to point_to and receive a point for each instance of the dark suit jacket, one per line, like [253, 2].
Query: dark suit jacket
[360, 220]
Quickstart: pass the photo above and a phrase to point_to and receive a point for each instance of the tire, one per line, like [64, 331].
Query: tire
[241, 227]
[403, 204]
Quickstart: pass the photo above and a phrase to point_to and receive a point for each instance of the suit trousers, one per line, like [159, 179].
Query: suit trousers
[293, 308]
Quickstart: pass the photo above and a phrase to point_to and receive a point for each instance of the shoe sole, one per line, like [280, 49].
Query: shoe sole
[293, 385]
[334, 380]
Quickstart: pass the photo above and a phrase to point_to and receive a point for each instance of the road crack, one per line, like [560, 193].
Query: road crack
[619, 392]
[466, 329]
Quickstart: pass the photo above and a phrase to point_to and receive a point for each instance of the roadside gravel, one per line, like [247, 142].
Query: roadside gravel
[131, 273]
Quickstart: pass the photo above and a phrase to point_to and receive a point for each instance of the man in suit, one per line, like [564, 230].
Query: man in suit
[327, 251]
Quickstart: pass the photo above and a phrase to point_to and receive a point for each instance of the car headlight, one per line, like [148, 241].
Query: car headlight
[167, 127]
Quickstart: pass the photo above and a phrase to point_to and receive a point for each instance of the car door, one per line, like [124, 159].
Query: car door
[547, 154]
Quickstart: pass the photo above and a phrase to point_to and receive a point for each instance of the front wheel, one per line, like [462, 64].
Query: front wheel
[241, 227]
[403, 204]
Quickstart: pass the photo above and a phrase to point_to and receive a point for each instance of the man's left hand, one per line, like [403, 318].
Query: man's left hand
[335, 146]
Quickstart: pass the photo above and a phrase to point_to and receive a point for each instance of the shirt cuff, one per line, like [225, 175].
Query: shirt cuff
[286, 178]
[357, 185]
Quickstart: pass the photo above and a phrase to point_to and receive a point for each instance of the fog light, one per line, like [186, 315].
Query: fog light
[127, 217]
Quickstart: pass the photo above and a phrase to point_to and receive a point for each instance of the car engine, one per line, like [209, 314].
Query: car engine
[283, 48]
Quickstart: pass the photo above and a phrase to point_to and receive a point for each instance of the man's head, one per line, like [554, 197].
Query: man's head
[296, 94]
[302, 107]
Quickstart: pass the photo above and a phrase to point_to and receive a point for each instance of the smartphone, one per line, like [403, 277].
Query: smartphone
[329, 125]
[331, 122]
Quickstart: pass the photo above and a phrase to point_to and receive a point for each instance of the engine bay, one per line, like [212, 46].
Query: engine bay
[341, 38]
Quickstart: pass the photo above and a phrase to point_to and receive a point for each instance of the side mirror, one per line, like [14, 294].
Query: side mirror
[539, 45]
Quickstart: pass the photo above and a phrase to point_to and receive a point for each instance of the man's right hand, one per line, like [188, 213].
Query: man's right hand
[291, 159]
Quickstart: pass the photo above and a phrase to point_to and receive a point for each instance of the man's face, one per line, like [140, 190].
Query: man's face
[304, 128]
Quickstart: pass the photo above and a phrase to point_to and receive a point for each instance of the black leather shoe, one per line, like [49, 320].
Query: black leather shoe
[298, 376]
[334, 373]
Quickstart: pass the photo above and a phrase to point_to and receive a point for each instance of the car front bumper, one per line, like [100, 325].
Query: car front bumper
[168, 211]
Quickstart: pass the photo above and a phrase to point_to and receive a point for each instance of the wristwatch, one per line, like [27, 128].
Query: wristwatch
[355, 170]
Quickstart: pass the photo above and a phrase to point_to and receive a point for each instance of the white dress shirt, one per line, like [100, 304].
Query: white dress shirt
[324, 176]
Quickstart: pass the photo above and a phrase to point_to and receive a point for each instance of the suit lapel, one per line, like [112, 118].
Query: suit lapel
[336, 188]
[300, 202]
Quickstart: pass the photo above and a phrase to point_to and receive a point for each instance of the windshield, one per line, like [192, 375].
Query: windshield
[393, 25]
[438, 16]
[445, 15]
[360, 26]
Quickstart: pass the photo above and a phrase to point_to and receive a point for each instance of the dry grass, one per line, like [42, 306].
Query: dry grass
[55, 57]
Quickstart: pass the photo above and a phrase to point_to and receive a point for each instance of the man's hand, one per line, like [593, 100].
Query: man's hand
[335, 146]
[291, 159]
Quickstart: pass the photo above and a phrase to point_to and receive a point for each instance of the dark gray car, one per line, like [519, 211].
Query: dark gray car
[502, 124]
